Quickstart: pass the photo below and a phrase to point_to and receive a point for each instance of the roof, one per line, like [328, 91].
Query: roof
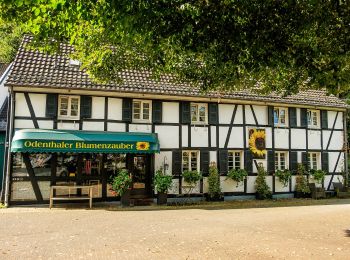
[36, 69]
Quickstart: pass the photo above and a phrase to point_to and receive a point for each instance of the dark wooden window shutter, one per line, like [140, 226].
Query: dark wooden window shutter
[223, 166]
[248, 161]
[157, 111]
[293, 162]
[185, 112]
[303, 117]
[127, 109]
[292, 111]
[213, 114]
[270, 162]
[204, 162]
[270, 116]
[51, 105]
[324, 119]
[176, 163]
[304, 160]
[325, 162]
[85, 106]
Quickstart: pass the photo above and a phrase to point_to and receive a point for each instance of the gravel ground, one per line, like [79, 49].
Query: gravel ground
[312, 232]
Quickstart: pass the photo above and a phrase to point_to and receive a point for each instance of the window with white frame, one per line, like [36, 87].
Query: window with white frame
[314, 161]
[313, 118]
[142, 110]
[280, 160]
[234, 160]
[280, 115]
[190, 161]
[199, 113]
[68, 107]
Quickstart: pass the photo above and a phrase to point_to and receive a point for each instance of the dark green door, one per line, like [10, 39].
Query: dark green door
[2, 149]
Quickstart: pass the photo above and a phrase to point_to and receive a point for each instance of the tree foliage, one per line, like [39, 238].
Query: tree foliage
[224, 44]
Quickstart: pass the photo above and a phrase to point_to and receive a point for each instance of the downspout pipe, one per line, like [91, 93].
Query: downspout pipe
[9, 139]
[346, 144]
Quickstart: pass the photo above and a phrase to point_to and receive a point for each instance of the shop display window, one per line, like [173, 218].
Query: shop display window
[92, 164]
[66, 165]
[18, 166]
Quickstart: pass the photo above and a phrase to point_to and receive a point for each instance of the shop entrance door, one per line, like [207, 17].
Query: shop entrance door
[141, 175]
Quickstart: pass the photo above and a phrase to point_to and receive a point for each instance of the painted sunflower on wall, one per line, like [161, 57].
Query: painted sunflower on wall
[257, 143]
[142, 146]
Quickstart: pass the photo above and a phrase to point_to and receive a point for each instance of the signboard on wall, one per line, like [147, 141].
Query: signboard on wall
[257, 143]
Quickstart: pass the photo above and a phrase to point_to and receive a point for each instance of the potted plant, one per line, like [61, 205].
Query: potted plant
[214, 190]
[302, 189]
[318, 175]
[161, 184]
[262, 189]
[284, 176]
[237, 175]
[121, 186]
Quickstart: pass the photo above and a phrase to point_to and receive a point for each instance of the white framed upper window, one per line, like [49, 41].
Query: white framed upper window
[281, 159]
[313, 118]
[68, 107]
[190, 161]
[280, 116]
[314, 161]
[235, 160]
[199, 113]
[142, 110]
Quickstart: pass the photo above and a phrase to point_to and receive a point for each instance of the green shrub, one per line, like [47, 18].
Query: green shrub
[238, 175]
[301, 183]
[262, 189]
[284, 176]
[162, 182]
[318, 175]
[191, 177]
[214, 190]
[121, 183]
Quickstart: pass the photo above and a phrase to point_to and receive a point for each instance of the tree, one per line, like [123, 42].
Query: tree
[266, 45]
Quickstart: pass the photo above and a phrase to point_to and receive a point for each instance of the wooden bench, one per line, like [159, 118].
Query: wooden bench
[341, 191]
[70, 196]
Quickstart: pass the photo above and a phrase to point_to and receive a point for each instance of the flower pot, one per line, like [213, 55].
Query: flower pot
[260, 196]
[125, 199]
[162, 198]
[217, 197]
[299, 194]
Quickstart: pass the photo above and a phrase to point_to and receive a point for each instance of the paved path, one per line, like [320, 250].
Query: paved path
[314, 232]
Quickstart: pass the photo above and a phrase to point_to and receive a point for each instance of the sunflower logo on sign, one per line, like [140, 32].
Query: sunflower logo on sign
[142, 146]
[257, 142]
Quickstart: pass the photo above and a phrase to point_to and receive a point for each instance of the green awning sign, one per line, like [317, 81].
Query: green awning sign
[41, 141]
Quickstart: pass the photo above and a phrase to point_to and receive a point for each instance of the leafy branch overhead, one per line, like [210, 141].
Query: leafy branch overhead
[267, 45]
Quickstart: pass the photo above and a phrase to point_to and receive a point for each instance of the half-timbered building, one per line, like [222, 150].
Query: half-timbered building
[66, 128]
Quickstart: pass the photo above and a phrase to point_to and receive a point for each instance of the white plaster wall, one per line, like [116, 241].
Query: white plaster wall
[213, 157]
[140, 128]
[174, 189]
[236, 138]
[68, 126]
[298, 116]
[250, 184]
[45, 124]
[336, 178]
[337, 141]
[170, 112]
[239, 115]
[249, 115]
[281, 138]
[116, 127]
[331, 118]
[263, 161]
[261, 114]
[98, 108]
[115, 106]
[199, 136]
[213, 136]
[293, 183]
[225, 113]
[168, 136]
[184, 136]
[205, 185]
[161, 158]
[23, 123]
[279, 186]
[332, 160]
[314, 140]
[268, 132]
[326, 134]
[185, 189]
[228, 185]
[223, 131]
[93, 126]
[39, 104]
[298, 138]
[21, 108]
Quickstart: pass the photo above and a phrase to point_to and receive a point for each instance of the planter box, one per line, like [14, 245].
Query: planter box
[125, 199]
[162, 198]
[299, 194]
[216, 198]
